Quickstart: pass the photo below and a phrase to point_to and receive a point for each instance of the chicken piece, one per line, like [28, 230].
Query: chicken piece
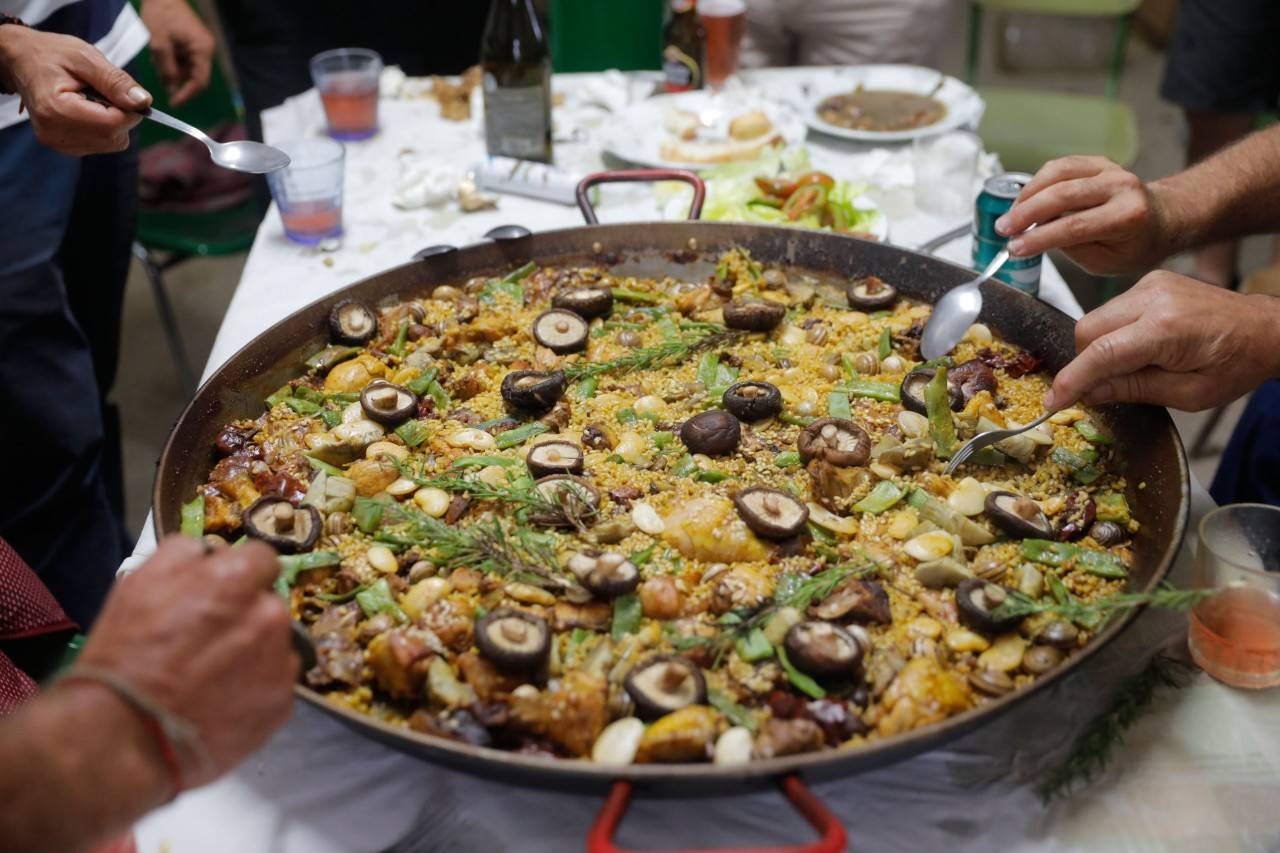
[740, 587]
[398, 659]
[451, 623]
[789, 737]
[710, 529]
[684, 735]
[220, 515]
[923, 693]
[593, 616]
[570, 716]
[838, 488]
[371, 476]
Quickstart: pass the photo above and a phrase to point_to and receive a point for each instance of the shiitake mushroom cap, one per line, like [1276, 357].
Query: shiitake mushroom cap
[665, 683]
[771, 513]
[912, 391]
[1018, 516]
[870, 293]
[282, 525]
[756, 315]
[752, 400]
[822, 648]
[388, 403]
[587, 302]
[713, 432]
[606, 575]
[533, 390]
[352, 322]
[839, 441]
[554, 457]
[976, 599]
[513, 639]
[561, 331]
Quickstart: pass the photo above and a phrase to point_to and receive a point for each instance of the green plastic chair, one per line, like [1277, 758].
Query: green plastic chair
[1028, 127]
[165, 239]
[590, 35]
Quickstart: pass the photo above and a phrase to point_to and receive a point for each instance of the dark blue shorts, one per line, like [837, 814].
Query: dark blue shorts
[1250, 468]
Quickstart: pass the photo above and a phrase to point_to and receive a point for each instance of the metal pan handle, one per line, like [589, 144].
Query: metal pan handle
[833, 840]
[636, 176]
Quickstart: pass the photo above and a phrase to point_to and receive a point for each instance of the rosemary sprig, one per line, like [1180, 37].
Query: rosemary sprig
[1018, 604]
[518, 491]
[1093, 748]
[646, 358]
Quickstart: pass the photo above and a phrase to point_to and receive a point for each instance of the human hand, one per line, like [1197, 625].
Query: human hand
[1173, 341]
[1103, 217]
[205, 637]
[181, 47]
[49, 71]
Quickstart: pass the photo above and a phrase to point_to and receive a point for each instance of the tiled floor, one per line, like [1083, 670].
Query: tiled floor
[150, 399]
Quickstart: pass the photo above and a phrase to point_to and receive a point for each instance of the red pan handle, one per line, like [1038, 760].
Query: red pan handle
[635, 176]
[833, 840]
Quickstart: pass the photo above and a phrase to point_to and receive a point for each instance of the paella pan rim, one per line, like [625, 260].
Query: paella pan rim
[639, 238]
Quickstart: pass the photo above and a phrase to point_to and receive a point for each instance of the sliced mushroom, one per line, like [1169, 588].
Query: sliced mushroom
[533, 390]
[560, 331]
[665, 683]
[856, 599]
[752, 401]
[976, 600]
[607, 575]
[912, 391]
[753, 315]
[587, 302]
[554, 457]
[352, 322]
[282, 525]
[387, 403]
[714, 433]
[839, 441]
[871, 294]
[575, 500]
[1018, 516]
[771, 513]
[513, 639]
[820, 648]
[969, 378]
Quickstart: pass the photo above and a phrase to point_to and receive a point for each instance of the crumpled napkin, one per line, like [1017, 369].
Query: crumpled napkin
[425, 183]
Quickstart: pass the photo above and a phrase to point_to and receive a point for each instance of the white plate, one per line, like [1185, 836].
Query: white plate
[636, 133]
[964, 105]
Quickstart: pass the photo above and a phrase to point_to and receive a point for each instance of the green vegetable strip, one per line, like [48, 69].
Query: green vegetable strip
[798, 679]
[331, 418]
[795, 420]
[884, 391]
[1067, 555]
[281, 394]
[626, 416]
[367, 514]
[838, 405]
[412, 433]
[302, 407]
[710, 476]
[988, 456]
[519, 274]
[1112, 506]
[496, 286]
[628, 295]
[787, 459]
[732, 711]
[663, 439]
[437, 393]
[321, 465]
[419, 384]
[938, 407]
[1058, 590]
[667, 328]
[685, 467]
[885, 494]
[343, 397]
[708, 368]
[402, 335]
[377, 599]
[641, 557]
[754, 646]
[330, 355]
[193, 517]
[1091, 433]
[292, 565]
[626, 616]
[512, 437]
[586, 388]
[1079, 464]
[885, 344]
[483, 461]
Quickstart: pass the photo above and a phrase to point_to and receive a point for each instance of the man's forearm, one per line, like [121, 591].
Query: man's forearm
[76, 767]
[1234, 193]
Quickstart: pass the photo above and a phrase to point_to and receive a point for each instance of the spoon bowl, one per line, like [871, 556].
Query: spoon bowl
[241, 155]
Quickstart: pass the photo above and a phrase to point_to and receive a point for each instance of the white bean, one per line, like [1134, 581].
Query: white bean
[617, 742]
[733, 747]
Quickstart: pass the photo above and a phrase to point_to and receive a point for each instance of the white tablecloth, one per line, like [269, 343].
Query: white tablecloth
[1201, 772]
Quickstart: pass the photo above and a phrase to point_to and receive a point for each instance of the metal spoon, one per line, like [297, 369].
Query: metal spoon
[242, 155]
[956, 311]
[986, 439]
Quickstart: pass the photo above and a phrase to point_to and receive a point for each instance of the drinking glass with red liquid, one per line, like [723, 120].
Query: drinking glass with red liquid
[347, 79]
[308, 192]
[724, 22]
[1235, 635]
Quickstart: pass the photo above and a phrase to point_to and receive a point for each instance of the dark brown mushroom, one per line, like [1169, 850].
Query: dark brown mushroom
[714, 433]
[282, 525]
[572, 501]
[838, 441]
[969, 378]
[513, 639]
[771, 513]
[387, 403]
[606, 575]
[560, 331]
[1077, 517]
[533, 390]
[752, 401]
[665, 683]
[976, 600]
[1060, 634]
[755, 315]
[1018, 516]
[912, 391]
[554, 457]
[1107, 533]
[352, 322]
[1038, 660]
[870, 293]
[587, 302]
[856, 599]
[821, 648]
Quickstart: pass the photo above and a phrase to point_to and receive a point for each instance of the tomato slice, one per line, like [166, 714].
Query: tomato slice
[804, 200]
[821, 178]
[780, 187]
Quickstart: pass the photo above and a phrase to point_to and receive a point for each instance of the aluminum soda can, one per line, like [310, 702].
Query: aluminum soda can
[997, 196]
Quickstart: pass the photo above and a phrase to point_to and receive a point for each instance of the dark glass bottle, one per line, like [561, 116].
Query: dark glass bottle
[517, 82]
[684, 51]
